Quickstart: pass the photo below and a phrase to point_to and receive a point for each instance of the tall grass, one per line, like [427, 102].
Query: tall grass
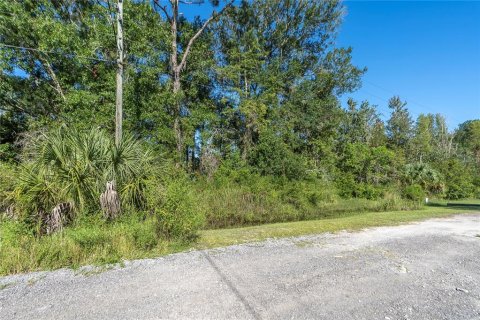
[90, 240]
[8, 177]
[258, 200]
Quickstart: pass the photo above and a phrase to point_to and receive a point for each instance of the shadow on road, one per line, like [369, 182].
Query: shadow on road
[459, 206]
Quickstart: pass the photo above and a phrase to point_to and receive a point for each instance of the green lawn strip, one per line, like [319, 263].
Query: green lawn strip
[225, 237]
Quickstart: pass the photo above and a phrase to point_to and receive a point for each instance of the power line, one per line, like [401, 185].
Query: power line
[391, 92]
[68, 55]
[413, 113]
[409, 100]
[386, 100]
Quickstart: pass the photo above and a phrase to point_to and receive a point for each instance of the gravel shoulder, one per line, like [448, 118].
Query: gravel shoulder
[426, 270]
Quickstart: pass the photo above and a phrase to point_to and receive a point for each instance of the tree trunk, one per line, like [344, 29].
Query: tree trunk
[60, 216]
[176, 70]
[247, 137]
[178, 66]
[247, 141]
[110, 201]
[119, 76]
[177, 129]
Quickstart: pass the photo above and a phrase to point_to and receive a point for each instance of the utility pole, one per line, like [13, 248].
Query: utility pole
[119, 93]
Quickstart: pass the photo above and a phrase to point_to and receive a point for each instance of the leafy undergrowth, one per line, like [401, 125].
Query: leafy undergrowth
[94, 241]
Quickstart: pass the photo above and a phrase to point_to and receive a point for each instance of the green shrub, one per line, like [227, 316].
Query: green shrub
[431, 181]
[350, 188]
[272, 156]
[414, 192]
[364, 172]
[68, 165]
[146, 234]
[476, 186]
[178, 211]
[457, 191]
[292, 194]
[7, 152]
[368, 191]
[459, 179]
[345, 183]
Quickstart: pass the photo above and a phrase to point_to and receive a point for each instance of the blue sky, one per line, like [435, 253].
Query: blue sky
[427, 52]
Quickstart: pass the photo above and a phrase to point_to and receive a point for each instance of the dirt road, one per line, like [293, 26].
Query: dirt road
[428, 270]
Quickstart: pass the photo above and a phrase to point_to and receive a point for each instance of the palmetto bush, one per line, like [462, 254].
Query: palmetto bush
[72, 166]
[425, 176]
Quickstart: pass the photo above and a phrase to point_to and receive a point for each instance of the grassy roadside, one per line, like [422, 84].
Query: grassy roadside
[106, 244]
[225, 237]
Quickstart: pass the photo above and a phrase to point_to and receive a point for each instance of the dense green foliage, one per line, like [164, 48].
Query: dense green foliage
[71, 165]
[253, 133]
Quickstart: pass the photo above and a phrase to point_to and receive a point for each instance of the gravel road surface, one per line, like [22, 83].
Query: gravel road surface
[427, 270]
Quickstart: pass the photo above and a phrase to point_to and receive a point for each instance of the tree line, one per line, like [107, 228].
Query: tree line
[256, 86]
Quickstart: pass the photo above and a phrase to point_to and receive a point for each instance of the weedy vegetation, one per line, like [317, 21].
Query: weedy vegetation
[233, 130]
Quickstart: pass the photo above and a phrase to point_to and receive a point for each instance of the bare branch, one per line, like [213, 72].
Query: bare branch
[109, 16]
[199, 32]
[54, 78]
[164, 9]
